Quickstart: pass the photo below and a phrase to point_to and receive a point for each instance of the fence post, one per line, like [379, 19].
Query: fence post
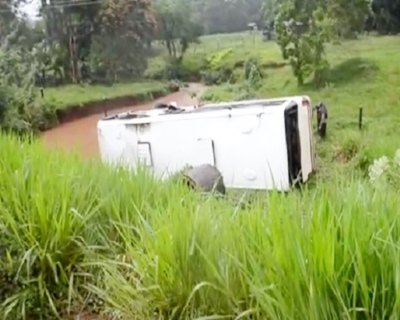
[360, 118]
[42, 82]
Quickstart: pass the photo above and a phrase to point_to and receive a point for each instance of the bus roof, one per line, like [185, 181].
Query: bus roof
[215, 108]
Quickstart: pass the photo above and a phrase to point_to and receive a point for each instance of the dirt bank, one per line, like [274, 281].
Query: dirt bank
[80, 135]
[109, 105]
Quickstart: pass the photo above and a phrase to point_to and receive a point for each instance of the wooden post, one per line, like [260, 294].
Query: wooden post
[360, 118]
[43, 83]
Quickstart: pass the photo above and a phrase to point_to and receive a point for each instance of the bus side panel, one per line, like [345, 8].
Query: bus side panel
[249, 150]
[111, 142]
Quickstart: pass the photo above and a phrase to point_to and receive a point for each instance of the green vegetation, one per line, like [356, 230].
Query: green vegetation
[111, 41]
[79, 95]
[71, 243]
[177, 30]
[304, 27]
[161, 251]
[218, 59]
[78, 237]
[21, 110]
[104, 40]
[74, 43]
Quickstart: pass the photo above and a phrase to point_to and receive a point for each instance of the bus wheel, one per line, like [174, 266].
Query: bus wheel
[206, 178]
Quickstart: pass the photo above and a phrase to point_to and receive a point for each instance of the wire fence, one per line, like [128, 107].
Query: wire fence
[221, 43]
[210, 43]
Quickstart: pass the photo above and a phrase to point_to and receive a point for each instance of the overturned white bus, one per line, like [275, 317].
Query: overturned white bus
[254, 144]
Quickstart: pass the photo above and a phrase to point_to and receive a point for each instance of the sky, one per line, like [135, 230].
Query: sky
[31, 8]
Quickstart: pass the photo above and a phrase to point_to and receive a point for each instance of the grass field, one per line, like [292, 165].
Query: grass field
[77, 236]
[80, 95]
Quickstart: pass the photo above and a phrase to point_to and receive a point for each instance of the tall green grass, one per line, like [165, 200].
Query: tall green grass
[77, 235]
[51, 211]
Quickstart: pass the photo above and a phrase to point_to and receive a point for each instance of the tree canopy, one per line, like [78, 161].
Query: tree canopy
[304, 27]
[104, 39]
[176, 26]
[109, 40]
[387, 15]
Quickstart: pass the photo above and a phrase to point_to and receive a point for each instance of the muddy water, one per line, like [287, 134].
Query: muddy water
[81, 135]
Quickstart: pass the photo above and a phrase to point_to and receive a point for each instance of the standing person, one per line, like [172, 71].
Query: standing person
[322, 119]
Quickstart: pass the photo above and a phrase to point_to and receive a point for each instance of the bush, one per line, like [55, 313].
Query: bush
[385, 170]
[187, 70]
[156, 69]
[174, 85]
[21, 109]
[253, 73]
[349, 149]
[216, 77]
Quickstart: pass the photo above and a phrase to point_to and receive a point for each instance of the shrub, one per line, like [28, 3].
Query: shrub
[21, 109]
[253, 73]
[348, 150]
[156, 69]
[212, 77]
[216, 60]
[385, 170]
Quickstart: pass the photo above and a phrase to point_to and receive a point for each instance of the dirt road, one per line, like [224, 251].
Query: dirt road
[81, 135]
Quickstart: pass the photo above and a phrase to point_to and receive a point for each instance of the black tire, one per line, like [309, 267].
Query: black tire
[206, 178]
[161, 106]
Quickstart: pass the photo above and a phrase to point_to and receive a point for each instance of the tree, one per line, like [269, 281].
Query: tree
[226, 16]
[269, 9]
[20, 109]
[350, 16]
[303, 28]
[176, 27]
[7, 16]
[105, 35]
[386, 15]
[69, 31]
[119, 47]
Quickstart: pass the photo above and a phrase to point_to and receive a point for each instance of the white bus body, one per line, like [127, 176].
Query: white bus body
[252, 143]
